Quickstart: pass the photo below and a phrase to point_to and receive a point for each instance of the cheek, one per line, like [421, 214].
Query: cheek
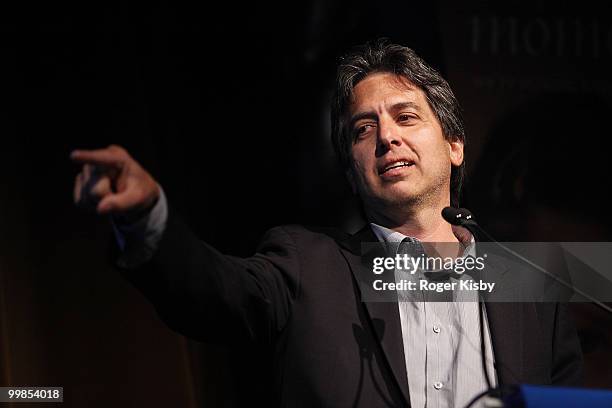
[439, 155]
[358, 163]
[361, 181]
[358, 170]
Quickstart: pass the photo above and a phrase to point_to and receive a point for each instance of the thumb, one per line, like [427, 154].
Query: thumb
[118, 202]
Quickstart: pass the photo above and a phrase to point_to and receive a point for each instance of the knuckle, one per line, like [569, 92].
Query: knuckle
[120, 152]
[116, 149]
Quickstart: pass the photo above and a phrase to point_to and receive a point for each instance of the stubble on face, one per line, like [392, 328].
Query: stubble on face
[386, 132]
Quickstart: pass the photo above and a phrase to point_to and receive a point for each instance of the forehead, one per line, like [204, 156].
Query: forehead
[383, 89]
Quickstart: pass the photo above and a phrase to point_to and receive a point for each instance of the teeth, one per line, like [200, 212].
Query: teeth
[397, 164]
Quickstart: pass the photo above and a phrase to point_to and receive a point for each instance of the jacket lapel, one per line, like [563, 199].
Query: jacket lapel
[383, 315]
[516, 326]
[505, 321]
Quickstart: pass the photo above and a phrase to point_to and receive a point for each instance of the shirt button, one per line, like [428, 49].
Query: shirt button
[438, 385]
[436, 329]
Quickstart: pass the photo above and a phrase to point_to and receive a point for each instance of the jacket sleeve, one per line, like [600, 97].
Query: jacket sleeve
[208, 296]
[567, 354]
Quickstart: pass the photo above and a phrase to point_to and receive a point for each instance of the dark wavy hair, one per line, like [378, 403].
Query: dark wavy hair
[380, 56]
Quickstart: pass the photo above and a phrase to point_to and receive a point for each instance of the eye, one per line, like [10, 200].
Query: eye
[405, 117]
[363, 129]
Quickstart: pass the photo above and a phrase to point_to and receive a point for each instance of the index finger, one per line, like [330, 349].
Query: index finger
[101, 157]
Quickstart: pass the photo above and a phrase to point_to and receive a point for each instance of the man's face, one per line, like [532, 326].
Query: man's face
[400, 156]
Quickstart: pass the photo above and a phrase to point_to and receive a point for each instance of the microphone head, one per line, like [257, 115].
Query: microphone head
[456, 216]
[450, 215]
[467, 214]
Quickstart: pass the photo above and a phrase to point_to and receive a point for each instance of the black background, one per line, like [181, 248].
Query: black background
[226, 105]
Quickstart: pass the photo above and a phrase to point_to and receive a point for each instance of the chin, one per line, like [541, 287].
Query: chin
[403, 192]
[400, 198]
[397, 194]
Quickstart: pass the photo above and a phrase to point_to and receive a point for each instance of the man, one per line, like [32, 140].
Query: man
[397, 131]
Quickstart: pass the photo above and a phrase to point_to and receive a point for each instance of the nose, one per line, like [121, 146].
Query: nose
[387, 136]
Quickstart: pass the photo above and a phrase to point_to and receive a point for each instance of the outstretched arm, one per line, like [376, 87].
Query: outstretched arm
[195, 289]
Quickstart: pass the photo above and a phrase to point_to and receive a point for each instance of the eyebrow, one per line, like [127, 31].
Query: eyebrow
[373, 115]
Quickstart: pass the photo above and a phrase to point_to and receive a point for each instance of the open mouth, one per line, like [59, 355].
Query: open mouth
[395, 165]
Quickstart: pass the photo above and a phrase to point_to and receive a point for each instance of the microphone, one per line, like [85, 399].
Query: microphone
[456, 216]
[463, 218]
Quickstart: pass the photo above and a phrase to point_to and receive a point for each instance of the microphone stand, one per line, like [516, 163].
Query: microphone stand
[463, 218]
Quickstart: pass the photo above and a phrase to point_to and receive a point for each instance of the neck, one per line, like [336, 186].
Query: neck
[424, 223]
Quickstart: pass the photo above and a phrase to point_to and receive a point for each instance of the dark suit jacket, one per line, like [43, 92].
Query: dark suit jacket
[298, 297]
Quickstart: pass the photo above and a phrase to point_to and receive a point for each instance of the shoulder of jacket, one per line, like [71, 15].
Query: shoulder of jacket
[300, 232]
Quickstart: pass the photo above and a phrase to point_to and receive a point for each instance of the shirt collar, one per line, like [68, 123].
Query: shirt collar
[388, 236]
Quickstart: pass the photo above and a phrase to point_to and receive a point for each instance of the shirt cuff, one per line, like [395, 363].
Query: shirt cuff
[138, 240]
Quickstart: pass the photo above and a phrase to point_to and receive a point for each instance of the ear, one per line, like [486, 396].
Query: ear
[456, 152]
